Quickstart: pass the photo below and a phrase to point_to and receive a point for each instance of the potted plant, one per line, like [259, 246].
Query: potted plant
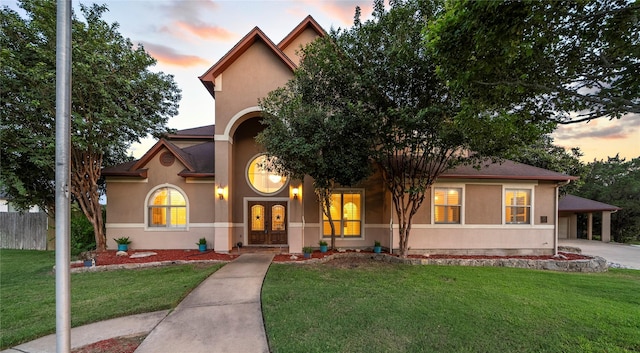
[376, 247]
[323, 246]
[88, 258]
[123, 243]
[202, 244]
[307, 250]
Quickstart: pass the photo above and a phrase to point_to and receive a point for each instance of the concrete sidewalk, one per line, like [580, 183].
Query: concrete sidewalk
[98, 331]
[627, 256]
[223, 314]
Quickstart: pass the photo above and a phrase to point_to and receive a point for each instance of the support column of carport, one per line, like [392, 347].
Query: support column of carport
[223, 222]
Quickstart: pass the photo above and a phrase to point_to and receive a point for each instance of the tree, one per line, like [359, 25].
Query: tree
[380, 73]
[544, 154]
[309, 134]
[616, 181]
[116, 101]
[563, 61]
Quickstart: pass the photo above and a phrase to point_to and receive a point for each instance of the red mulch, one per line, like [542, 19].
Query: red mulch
[112, 345]
[110, 258]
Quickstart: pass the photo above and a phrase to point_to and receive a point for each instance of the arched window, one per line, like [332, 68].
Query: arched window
[167, 208]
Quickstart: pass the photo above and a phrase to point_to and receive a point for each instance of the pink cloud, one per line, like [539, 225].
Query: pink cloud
[205, 31]
[344, 11]
[170, 56]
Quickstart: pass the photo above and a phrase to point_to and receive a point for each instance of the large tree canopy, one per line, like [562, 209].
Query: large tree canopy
[312, 134]
[616, 181]
[544, 154]
[116, 101]
[563, 61]
[378, 74]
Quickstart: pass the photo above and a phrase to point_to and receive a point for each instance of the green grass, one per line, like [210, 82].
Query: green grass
[402, 308]
[28, 303]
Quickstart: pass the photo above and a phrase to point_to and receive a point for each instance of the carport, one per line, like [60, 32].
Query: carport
[570, 206]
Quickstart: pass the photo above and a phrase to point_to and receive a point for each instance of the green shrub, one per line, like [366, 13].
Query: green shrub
[82, 235]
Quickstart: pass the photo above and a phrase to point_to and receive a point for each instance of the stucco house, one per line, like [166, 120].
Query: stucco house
[207, 182]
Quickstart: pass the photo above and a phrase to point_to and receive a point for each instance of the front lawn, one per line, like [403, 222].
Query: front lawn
[403, 308]
[28, 300]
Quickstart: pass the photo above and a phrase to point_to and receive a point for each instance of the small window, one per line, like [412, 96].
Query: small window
[518, 206]
[346, 213]
[167, 208]
[447, 205]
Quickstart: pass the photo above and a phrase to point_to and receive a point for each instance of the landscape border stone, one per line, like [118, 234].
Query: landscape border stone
[591, 265]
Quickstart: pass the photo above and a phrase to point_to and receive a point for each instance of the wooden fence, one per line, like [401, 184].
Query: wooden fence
[23, 231]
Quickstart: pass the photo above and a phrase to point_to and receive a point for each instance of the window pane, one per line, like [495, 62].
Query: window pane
[326, 228]
[518, 206]
[176, 198]
[178, 216]
[351, 229]
[158, 217]
[167, 208]
[257, 217]
[447, 204]
[160, 197]
[277, 217]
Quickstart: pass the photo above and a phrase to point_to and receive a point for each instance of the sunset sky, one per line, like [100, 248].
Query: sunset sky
[187, 37]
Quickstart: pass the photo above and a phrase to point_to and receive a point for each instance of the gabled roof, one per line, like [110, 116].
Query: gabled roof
[308, 22]
[197, 159]
[208, 78]
[509, 170]
[571, 203]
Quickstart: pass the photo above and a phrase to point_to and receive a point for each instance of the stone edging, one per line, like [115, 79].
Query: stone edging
[594, 264]
[142, 265]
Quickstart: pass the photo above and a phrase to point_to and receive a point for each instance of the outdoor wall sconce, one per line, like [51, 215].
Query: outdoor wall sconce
[295, 192]
[220, 193]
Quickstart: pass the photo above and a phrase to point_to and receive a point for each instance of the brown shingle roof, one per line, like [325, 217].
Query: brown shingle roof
[571, 203]
[506, 170]
[194, 133]
[198, 161]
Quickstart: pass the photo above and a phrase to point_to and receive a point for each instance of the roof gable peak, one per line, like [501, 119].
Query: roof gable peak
[256, 34]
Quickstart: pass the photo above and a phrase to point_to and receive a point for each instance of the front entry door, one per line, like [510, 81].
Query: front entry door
[267, 222]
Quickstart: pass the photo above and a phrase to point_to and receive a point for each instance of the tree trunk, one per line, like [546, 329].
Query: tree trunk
[324, 196]
[85, 172]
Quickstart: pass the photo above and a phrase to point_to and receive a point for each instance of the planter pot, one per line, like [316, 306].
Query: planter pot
[323, 248]
[88, 263]
[202, 247]
[307, 255]
[377, 249]
[123, 247]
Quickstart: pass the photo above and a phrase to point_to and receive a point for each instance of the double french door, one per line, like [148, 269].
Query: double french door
[267, 222]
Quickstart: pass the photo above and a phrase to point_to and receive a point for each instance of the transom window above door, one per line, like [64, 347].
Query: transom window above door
[261, 180]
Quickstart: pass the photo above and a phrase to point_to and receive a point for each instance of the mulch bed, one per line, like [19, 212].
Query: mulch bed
[113, 345]
[110, 258]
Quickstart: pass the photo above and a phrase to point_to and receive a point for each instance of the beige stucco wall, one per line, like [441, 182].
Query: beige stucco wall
[126, 209]
[253, 75]
[303, 38]
[483, 204]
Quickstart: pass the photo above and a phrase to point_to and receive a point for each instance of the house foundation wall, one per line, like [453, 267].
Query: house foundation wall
[142, 239]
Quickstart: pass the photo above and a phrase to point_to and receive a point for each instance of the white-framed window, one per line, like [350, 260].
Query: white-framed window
[517, 206]
[262, 181]
[167, 208]
[346, 209]
[447, 205]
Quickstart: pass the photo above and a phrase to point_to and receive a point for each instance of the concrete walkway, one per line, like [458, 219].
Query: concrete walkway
[627, 256]
[223, 314]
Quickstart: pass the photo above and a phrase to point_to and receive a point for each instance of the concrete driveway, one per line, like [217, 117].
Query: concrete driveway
[627, 256]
